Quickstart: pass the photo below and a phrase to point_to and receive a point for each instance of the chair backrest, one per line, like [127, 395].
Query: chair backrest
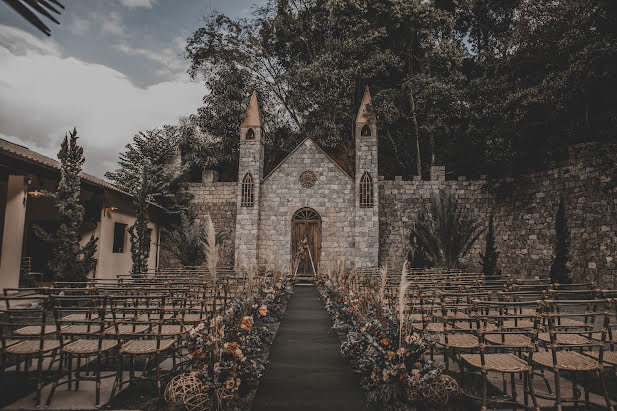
[25, 317]
[80, 317]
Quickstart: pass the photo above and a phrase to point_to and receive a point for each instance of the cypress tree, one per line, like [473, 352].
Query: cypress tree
[139, 232]
[490, 256]
[70, 260]
[560, 273]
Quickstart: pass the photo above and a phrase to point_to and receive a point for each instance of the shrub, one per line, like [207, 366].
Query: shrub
[445, 231]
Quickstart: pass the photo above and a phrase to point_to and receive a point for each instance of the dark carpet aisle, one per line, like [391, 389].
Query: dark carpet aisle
[307, 371]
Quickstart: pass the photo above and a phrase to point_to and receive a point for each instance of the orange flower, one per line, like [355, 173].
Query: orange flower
[390, 354]
[263, 310]
[384, 341]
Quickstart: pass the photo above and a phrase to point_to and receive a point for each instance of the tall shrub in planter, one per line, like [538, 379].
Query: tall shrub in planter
[70, 261]
[560, 272]
[490, 256]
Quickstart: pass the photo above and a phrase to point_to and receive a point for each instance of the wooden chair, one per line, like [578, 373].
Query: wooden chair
[496, 354]
[81, 323]
[159, 341]
[26, 335]
[569, 338]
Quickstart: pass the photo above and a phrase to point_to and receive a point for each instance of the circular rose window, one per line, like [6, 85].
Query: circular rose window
[307, 179]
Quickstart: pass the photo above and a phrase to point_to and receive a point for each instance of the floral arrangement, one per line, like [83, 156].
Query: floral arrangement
[389, 358]
[228, 355]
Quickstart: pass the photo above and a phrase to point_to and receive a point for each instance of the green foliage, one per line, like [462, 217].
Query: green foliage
[187, 242]
[490, 256]
[145, 169]
[560, 272]
[444, 231]
[139, 233]
[70, 261]
[482, 86]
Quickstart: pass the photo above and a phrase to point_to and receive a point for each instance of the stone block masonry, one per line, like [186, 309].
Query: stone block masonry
[219, 200]
[524, 210]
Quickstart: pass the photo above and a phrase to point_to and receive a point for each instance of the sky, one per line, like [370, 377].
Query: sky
[111, 69]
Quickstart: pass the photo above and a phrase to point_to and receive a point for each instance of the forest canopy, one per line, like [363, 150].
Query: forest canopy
[495, 87]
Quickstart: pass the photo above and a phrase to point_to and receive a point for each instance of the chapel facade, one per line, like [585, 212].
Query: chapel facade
[307, 199]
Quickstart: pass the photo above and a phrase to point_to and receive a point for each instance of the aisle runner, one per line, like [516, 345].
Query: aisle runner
[307, 371]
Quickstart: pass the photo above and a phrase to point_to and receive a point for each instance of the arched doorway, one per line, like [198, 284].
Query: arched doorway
[306, 223]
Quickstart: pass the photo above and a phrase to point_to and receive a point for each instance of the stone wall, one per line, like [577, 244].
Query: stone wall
[332, 196]
[524, 210]
[217, 199]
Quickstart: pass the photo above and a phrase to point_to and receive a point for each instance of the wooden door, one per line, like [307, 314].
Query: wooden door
[306, 223]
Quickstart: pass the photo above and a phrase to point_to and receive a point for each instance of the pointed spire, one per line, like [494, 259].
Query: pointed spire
[364, 114]
[252, 119]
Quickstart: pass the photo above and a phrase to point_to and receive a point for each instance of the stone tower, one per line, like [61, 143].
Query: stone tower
[250, 173]
[366, 184]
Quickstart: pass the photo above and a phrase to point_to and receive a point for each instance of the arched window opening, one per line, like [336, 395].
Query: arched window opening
[366, 131]
[247, 191]
[366, 191]
[250, 134]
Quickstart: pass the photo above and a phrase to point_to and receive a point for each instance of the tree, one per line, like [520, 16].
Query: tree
[445, 231]
[417, 258]
[188, 242]
[145, 171]
[560, 271]
[309, 62]
[145, 168]
[489, 258]
[27, 10]
[139, 233]
[70, 260]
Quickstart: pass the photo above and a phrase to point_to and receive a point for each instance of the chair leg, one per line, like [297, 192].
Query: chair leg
[39, 379]
[484, 388]
[557, 391]
[70, 370]
[57, 379]
[158, 375]
[98, 378]
[604, 391]
[77, 372]
[118, 380]
[532, 391]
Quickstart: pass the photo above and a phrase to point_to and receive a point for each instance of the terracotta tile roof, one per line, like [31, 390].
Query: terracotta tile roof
[24, 153]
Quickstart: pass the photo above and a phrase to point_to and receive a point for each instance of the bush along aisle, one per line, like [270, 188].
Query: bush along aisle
[379, 343]
[228, 355]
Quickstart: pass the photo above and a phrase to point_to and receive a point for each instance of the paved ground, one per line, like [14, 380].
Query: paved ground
[307, 371]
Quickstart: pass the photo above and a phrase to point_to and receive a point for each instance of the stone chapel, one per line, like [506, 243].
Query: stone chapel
[307, 197]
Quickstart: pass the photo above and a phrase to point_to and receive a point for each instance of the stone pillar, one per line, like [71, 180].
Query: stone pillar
[438, 173]
[13, 235]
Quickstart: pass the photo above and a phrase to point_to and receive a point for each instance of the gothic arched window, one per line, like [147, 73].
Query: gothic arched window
[366, 191]
[366, 131]
[250, 134]
[247, 191]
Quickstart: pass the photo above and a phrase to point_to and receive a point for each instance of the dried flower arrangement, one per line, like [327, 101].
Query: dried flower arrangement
[380, 345]
[228, 355]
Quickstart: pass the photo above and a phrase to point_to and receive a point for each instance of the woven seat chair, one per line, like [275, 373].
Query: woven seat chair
[37, 343]
[496, 355]
[157, 343]
[566, 354]
[454, 339]
[82, 336]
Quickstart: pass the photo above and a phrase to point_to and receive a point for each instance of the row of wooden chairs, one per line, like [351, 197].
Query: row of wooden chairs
[105, 320]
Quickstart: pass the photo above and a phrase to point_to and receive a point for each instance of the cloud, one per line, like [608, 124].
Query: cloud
[111, 24]
[43, 94]
[133, 4]
[79, 26]
[166, 57]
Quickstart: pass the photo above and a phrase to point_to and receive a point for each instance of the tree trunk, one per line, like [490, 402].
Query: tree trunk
[412, 107]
